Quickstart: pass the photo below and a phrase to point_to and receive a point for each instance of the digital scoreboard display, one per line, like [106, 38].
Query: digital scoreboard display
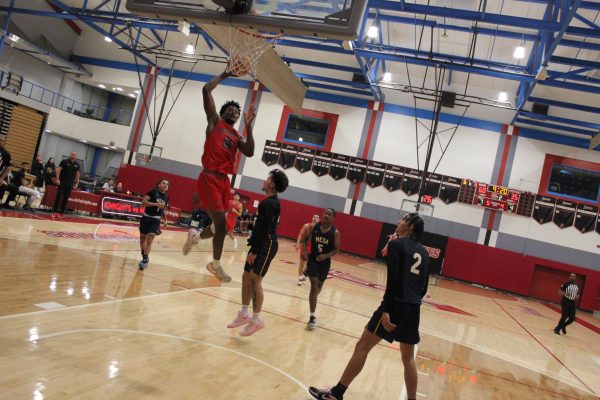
[496, 197]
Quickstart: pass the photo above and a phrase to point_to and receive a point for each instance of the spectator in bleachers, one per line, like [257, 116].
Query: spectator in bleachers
[109, 186]
[5, 159]
[119, 188]
[20, 181]
[37, 170]
[50, 172]
[68, 179]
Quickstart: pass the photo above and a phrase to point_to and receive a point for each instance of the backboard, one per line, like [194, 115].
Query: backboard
[425, 211]
[333, 19]
[148, 154]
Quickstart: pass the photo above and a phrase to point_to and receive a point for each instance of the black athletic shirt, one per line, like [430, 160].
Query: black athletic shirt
[68, 171]
[321, 243]
[4, 159]
[266, 223]
[156, 197]
[407, 273]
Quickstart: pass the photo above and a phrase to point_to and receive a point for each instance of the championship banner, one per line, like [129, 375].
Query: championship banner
[586, 217]
[357, 170]
[321, 163]
[288, 155]
[375, 172]
[271, 152]
[339, 166]
[450, 189]
[304, 159]
[392, 180]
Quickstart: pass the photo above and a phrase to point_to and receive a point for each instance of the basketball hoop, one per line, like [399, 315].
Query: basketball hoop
[245, 49]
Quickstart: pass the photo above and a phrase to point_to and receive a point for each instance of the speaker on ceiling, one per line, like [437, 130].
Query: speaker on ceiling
[359, 78]
[538, 108]
[448, 99]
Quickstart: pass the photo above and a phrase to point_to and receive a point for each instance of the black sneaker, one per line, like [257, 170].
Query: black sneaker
[144, 263]
[556, 331]
[564, 331]
[323, 394]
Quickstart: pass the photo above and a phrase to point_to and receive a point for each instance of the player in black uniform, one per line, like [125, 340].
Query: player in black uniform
[398, 316]
[154, 202]
[324, 244]
[263, 247]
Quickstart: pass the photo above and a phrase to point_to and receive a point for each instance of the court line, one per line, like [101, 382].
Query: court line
[164, 335]
[545, 348]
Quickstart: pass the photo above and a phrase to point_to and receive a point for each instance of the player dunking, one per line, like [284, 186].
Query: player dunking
[234, 211]
[218, 160]
[324, 244]
[263, 247]
[298, 247]
[398, 316]
[154, 202]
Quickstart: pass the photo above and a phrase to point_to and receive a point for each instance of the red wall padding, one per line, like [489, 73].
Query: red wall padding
[546, 282]
[505, 270]
[471, 262]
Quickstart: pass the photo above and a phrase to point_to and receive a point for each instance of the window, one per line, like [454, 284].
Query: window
[568, 181]
[314, 129]
[306, 130]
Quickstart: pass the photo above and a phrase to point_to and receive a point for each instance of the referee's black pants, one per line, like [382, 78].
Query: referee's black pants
[568, 313]
[63, 192]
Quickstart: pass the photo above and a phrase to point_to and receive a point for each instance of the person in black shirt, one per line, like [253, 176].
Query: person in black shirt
[68, 179]
[398, 316]
[155, 202]
[19, 180]
[50, 172]
[570, 294]
[263, 247]
[5, 164]
[324, 244]
[37, 170]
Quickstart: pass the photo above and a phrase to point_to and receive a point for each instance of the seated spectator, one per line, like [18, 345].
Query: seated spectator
[4, 172]
[37, 170]
[109, 186]
[20, 181]
[50, 173]
[119, 188]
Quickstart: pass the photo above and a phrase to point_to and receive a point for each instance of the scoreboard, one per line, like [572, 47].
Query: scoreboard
[496, 197]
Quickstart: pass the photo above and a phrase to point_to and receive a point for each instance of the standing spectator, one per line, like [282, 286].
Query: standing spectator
[4, 171]
[109, 186]
[37, 170]
[50, 172]
[68, 179]
[20, 181]
[570, 294]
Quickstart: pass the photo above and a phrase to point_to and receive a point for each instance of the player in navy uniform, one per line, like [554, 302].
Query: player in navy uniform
[263, 247]
[398, 316]
[154, 202]
[570, 294]
[324, 244]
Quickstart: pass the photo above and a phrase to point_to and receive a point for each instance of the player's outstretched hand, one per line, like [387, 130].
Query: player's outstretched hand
[249, 116]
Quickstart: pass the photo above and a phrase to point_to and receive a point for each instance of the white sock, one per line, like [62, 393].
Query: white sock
[216, 264]
[313, 314]
[256, 316]
[244, 309]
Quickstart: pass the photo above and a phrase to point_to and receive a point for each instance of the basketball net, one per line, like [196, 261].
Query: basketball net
[245, 49]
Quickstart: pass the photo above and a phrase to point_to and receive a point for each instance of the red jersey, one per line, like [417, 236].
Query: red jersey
[220, 148]
[231, 206]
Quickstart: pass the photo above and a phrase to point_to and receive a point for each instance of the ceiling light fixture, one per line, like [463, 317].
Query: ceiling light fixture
[519, 52]
[107, 39]
[189, 49]
[372, 32]
[387, 77]
[503, 96]
[101, 86]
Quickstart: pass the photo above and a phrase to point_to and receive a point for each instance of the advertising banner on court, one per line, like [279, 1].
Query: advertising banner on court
[434, 243]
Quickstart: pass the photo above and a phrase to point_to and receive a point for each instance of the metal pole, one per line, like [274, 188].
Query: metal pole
[6, 26]
[162, 108]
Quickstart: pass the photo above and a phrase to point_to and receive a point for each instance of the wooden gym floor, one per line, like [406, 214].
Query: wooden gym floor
[78, 320]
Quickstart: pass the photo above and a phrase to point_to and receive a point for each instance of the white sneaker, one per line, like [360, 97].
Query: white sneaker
[193, 237]
[312, 323]
[252, 327]
[219, 272]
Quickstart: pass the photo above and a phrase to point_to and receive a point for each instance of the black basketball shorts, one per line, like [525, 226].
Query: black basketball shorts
[264, 257]
[149, 225]
[405, 316]
[318, 269]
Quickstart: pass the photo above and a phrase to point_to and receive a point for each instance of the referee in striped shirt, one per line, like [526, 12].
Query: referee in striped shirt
[570, 293]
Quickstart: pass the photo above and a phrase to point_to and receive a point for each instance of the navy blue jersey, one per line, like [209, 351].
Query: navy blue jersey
[407, 273]
[266, 223]
[156, 197]
[321, 242]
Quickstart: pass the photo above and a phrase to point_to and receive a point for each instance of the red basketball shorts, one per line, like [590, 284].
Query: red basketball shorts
[213, 190]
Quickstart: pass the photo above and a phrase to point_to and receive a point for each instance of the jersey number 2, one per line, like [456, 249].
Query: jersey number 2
[415, 267]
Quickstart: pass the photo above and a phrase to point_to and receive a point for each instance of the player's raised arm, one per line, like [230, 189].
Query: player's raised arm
[209, 103]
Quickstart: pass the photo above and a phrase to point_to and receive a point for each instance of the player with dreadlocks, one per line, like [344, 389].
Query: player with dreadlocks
[218, 160]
